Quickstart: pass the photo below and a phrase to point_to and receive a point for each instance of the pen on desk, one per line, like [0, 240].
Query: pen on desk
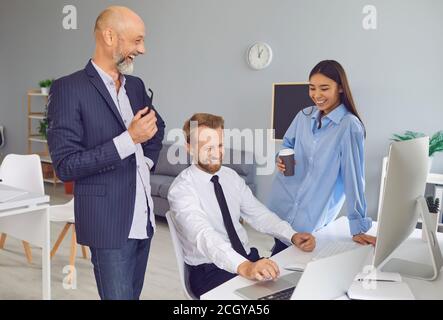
[294, 269]
[377, 280]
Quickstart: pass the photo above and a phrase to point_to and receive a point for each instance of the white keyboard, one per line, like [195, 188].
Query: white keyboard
[335, 247]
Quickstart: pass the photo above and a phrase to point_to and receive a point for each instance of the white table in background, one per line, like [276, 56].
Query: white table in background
[27, 218]
[413, 249]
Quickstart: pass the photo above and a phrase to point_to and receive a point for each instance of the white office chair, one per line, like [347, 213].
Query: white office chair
[22, 172]
[182, 269]
[65, 213]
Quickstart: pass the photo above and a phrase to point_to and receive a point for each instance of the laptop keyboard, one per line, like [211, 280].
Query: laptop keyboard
[280, 295]
[335, 247]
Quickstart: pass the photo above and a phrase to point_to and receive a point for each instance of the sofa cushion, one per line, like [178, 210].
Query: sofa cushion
[243, 170]
[242, 162]
[161, 206]
[160, 185]
[163, 166]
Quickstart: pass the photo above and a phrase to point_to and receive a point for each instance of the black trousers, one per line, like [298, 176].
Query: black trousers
[207, 276]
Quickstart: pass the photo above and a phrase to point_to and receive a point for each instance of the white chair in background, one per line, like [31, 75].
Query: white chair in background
[25, 172]
[65, 213]
[22, 172]
[182, 269]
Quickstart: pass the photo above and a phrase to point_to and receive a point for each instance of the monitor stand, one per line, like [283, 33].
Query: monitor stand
[419, 270]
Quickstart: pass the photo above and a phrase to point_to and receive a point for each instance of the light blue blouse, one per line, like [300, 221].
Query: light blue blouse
[329, 168]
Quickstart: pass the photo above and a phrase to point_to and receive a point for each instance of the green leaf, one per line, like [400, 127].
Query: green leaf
[435, 150]
[408, 135]
[437, 138]
[397, 137]
[45, 83]
[414, 135]
[436, 143]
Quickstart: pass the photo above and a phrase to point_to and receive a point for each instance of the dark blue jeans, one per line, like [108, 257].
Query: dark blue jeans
[120, 273]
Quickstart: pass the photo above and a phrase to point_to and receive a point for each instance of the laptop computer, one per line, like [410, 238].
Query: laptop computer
[327, 278]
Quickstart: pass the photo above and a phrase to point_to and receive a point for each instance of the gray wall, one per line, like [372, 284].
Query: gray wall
[196, 51]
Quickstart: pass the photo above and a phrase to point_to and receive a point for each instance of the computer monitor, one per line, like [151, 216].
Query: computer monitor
[402, 204]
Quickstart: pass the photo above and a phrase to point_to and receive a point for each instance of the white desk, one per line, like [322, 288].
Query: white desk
[27, 218]
[413, 249]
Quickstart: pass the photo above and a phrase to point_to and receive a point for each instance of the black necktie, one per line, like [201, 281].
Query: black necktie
[227, 220]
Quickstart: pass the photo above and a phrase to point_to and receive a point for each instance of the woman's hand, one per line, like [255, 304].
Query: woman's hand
[304, 241]
[280, 165]
[364, 239]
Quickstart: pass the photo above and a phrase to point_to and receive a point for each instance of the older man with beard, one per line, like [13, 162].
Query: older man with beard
[208, 200]
[105, 136]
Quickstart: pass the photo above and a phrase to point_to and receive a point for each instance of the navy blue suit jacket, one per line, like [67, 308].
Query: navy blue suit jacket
[83, 121]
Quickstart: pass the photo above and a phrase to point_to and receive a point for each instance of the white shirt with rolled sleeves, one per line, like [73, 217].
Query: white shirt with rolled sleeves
[199, 219]
[126, 147]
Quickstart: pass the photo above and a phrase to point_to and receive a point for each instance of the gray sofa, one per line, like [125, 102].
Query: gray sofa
[165, 173]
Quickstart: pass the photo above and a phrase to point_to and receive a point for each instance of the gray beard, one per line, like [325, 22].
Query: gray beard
[125, 67]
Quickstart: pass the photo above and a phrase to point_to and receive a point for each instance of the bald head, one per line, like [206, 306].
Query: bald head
[118, 19]
[120, 38]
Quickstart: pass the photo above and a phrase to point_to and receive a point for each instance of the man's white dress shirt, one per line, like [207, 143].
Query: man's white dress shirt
[199, 220]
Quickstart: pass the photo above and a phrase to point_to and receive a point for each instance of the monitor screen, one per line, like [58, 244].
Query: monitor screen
[404, 184]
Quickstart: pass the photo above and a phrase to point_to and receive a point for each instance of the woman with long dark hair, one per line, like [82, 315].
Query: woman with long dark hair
[328, 140]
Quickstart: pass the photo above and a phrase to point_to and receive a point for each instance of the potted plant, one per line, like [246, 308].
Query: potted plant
[69, 187]
[44, 86]
[435, 143]
[43, 125]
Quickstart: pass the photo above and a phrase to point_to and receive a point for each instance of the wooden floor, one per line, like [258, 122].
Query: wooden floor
[20, 280]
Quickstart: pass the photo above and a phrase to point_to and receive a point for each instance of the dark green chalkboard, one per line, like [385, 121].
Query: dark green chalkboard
[288, 100]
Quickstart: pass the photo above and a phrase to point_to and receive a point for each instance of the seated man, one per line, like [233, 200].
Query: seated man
[208, 201]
